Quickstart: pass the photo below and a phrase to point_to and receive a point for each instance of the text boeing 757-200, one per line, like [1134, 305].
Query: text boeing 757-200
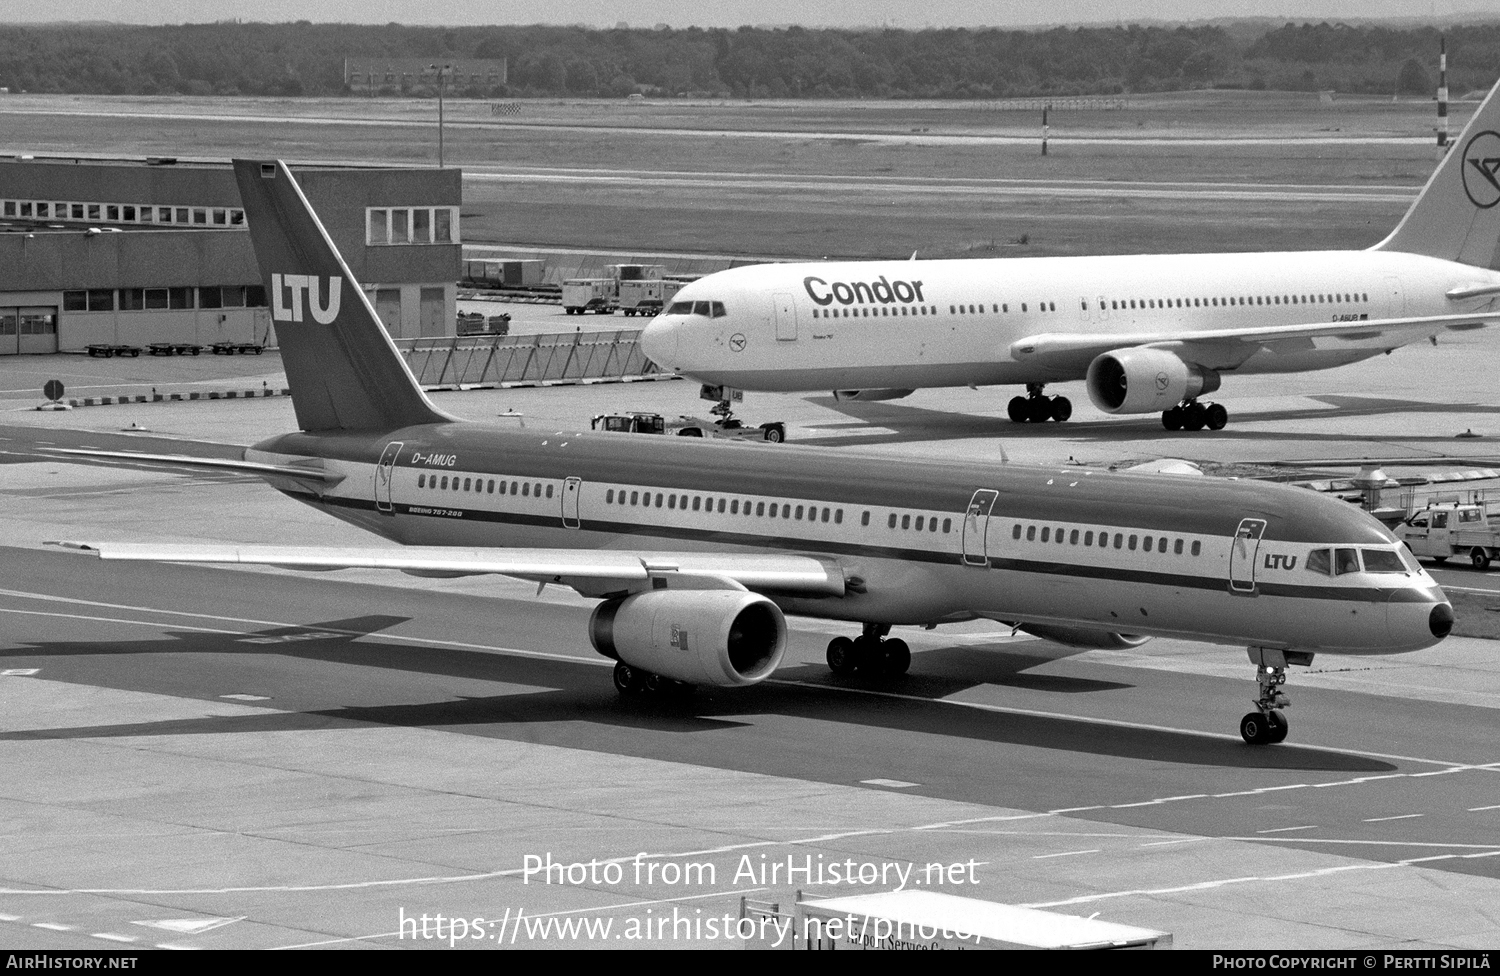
[1147, 333]
[697, 548]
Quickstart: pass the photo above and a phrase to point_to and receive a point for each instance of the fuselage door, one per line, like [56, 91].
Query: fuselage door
[1103, 308]
[384, 473]
[977, 527]
[571, 487]
[786, 317]
[1395, 298]
[1242, 555]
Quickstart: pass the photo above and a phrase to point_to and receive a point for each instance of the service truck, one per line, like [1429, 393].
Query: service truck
[1441, 531]
[582, 295]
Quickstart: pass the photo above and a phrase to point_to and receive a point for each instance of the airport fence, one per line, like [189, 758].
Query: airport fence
[568, 357]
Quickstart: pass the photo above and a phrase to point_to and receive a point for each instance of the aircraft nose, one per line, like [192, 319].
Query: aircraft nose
[660, 340]
[1440, 620]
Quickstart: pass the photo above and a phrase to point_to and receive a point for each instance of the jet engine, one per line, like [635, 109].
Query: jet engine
[1145, 381]
[725, 638]
[1083, 636]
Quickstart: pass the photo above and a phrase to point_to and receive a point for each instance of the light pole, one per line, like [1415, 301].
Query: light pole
[443, 71]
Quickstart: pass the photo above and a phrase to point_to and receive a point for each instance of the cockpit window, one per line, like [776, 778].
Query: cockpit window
[1383, 561]
[718, 309]
[680, 308]
[1320, 561]
[1345, 561]
[701, 308]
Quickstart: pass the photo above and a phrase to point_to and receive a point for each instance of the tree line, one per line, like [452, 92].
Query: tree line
[751, 62]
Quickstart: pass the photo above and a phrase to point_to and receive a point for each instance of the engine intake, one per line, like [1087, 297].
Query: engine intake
[725, 638]
[1083, 636]
[1145, 381]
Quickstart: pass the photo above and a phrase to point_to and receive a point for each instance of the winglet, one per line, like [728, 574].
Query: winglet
[343, 370]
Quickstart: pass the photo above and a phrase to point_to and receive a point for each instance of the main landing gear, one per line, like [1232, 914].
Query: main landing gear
[1192, 415]
[1034, 408]
[1267, 725]
[633, 682]
[871, 653]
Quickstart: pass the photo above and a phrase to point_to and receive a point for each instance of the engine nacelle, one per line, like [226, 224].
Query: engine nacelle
[1083, 636]
[866, 395]
[1145, 381]
[725, 638]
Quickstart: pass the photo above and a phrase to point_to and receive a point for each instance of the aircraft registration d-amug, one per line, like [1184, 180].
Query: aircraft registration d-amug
[697, 549]
[1147, 333]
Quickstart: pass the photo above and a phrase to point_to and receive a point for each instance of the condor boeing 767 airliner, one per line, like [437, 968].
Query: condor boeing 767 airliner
[1147, 333]
[696, 549]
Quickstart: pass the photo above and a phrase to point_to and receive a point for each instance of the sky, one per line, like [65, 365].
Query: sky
[727, 13]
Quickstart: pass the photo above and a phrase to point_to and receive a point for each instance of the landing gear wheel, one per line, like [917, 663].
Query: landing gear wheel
[1018, 410]
[895, 657]
[1172, 419]
[1255, 729]
[1039, 410]
[1062, 408]
[1480, 557]
[1279, 727]
[842, 657]
[1217, 416]
[629, 681]
[1194, 416]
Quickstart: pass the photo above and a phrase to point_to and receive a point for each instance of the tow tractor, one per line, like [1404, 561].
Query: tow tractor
[724, 427]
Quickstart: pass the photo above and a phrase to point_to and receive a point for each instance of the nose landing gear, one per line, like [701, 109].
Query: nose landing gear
[870, 653]
[1268, 725]
[1034, 408]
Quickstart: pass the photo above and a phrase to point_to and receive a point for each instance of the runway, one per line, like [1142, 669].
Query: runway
[256, 758]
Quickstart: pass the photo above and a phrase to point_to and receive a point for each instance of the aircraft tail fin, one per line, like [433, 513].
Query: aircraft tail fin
[343, 370]
[1456, 216]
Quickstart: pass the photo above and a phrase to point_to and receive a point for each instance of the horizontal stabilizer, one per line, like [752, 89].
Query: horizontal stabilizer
[310, 474]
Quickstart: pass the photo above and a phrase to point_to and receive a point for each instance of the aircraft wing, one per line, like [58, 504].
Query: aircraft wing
[591, 572]
[296, 472]
[1226, 349]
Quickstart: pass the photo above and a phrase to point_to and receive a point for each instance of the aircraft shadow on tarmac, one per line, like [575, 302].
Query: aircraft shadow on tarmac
[573, 704]
[911, 423]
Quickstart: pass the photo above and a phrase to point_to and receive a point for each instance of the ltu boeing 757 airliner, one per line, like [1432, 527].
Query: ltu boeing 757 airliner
[1147, 333]
[697, 548]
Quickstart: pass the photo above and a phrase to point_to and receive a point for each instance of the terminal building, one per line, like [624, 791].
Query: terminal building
[131, 252]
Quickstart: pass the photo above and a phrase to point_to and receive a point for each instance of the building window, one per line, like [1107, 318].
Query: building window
[101, 300]
[132, 299]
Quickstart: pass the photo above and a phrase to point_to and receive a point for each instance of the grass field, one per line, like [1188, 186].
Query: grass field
[932, 151]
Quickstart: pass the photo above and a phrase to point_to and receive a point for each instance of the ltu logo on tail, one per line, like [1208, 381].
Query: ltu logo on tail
[1481, 169]
[323, 296]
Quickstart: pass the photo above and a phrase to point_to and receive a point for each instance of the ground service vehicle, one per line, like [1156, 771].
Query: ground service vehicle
[1453, 530]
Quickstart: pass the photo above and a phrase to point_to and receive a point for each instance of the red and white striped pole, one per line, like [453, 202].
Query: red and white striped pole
[1442, 135]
